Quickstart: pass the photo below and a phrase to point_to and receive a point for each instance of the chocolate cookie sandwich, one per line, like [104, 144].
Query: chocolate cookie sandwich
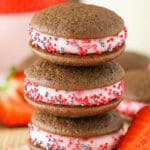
[92, 133]
[132, 60]
[137, 93]
[74, 91]
[77, 34]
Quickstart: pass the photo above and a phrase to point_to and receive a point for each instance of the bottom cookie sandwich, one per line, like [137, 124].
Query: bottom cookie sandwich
[91, 133]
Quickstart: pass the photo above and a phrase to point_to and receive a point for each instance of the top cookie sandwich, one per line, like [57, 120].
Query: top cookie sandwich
[77, 34]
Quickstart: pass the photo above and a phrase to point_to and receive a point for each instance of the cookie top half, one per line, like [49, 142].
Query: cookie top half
[77, 20]
[75, 127]
[44, 73]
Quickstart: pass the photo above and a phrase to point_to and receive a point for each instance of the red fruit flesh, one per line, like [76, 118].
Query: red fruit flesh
[138, 135]
[14, 111]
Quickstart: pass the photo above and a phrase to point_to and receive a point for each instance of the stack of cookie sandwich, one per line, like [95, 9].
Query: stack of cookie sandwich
[74, 87]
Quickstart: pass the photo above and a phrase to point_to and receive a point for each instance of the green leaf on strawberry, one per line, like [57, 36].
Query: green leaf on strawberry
[4, 87]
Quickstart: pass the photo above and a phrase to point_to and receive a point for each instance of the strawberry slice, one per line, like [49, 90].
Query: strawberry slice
[138, 135]
[14, 111]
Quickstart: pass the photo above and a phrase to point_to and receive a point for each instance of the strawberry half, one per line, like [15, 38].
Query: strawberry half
[138, 135]
[14, 111]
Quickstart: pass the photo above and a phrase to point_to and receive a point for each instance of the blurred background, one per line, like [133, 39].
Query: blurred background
[14, 23]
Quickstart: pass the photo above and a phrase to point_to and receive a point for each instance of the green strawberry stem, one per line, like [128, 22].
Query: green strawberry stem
[12, 71]
[5, 86]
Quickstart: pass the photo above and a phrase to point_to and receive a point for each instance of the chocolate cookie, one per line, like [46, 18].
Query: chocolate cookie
[59, 77]
[47, 130]
[137, 92]
[77, 34]
[131, 60]
[74, 91]
[137, 85]
[77, 20]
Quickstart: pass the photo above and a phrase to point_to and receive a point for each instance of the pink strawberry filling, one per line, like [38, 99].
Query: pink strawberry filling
[76, 46]
[98, 96]
[129, 107]
[52, 141]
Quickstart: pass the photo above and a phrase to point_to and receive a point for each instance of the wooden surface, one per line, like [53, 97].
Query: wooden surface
[12, 138]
